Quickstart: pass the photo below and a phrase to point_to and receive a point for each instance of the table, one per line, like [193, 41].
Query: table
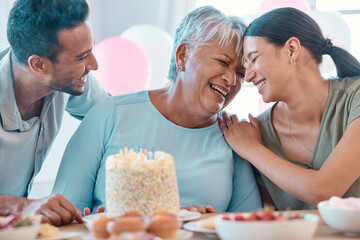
[323, 231]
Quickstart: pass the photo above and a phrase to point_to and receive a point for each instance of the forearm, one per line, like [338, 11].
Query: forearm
[12, 204]
[304, 184]
[337, 174]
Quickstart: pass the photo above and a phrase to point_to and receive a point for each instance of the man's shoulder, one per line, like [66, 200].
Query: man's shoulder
[4, 51]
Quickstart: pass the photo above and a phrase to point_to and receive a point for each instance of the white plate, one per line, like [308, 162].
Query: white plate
[191, 226]
[63, 235]
[184, 215]
[89, 218]
[181, 234]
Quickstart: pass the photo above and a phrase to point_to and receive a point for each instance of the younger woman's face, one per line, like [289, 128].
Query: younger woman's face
[266, 67]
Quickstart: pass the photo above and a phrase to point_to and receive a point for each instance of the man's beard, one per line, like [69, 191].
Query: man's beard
[66, 87]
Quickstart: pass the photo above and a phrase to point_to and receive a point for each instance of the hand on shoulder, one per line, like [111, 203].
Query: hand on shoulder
[242, 136]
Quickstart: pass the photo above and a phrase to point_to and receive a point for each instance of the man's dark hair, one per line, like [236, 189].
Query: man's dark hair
[33, 25]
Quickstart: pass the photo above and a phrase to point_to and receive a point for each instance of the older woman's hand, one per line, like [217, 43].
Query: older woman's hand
[200, 209]
[100, 209]
[242, 136]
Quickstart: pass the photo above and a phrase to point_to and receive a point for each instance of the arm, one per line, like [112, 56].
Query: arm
[341, 168]
[54, 209]
[79, 167]
[245, 193]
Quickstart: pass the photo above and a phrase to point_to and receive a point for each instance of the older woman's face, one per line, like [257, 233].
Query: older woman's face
[213, 76]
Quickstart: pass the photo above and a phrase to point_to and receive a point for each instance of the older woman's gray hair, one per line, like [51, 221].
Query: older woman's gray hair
[207, 25]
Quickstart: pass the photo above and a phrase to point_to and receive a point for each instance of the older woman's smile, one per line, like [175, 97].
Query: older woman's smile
[219, 89]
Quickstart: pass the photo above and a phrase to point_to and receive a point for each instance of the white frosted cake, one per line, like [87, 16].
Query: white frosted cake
[142, 182]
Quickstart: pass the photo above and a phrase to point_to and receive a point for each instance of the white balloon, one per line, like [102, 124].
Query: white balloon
[251, 17]
[334, 27]
[157, 43]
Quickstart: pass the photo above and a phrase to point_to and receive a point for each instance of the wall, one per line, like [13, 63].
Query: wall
[111, 17]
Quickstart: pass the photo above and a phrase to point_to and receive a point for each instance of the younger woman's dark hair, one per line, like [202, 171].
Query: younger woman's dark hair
[278, 25]
[33, 25]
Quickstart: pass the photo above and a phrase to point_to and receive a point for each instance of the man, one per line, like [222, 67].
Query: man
[44, 73]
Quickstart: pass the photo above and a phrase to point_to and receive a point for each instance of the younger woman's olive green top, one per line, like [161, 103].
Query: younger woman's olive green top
[342, 107]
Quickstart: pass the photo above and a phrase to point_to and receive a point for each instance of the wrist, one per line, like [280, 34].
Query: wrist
[252, 152]
[12, 204]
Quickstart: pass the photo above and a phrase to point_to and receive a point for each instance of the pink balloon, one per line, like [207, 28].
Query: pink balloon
[269, 5]
[124, 66]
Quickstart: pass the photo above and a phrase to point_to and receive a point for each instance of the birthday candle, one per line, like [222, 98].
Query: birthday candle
[141, 155]
[150, 155]
[121, 154]
[145, 151]
[126, 151]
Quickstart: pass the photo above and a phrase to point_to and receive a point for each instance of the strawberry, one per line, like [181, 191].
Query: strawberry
[239, 218]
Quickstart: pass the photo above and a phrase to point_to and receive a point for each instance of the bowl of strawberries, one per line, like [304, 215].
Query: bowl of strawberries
[267, 224]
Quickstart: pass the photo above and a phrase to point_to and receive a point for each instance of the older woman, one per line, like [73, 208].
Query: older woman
[307, 145]
[206, 73]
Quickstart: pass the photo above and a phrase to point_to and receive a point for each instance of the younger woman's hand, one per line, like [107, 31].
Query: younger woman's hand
[242, 136]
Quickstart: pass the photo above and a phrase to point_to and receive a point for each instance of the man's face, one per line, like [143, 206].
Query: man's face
[74, 60]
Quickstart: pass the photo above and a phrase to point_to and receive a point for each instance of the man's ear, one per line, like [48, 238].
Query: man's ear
[39, 65]
[182, 54]
[293, 46]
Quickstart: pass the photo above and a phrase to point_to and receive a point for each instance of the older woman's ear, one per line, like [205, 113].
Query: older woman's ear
[182, 54]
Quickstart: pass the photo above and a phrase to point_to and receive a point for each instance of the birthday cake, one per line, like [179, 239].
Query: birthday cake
[142, 181]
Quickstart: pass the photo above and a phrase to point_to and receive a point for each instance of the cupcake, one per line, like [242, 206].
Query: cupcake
[141, 235]
[163, 212]
[133, 213]
[98, 227]
[163, 225]
[126, 224]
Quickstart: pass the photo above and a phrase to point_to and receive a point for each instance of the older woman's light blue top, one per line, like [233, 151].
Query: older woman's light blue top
[208, 171]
